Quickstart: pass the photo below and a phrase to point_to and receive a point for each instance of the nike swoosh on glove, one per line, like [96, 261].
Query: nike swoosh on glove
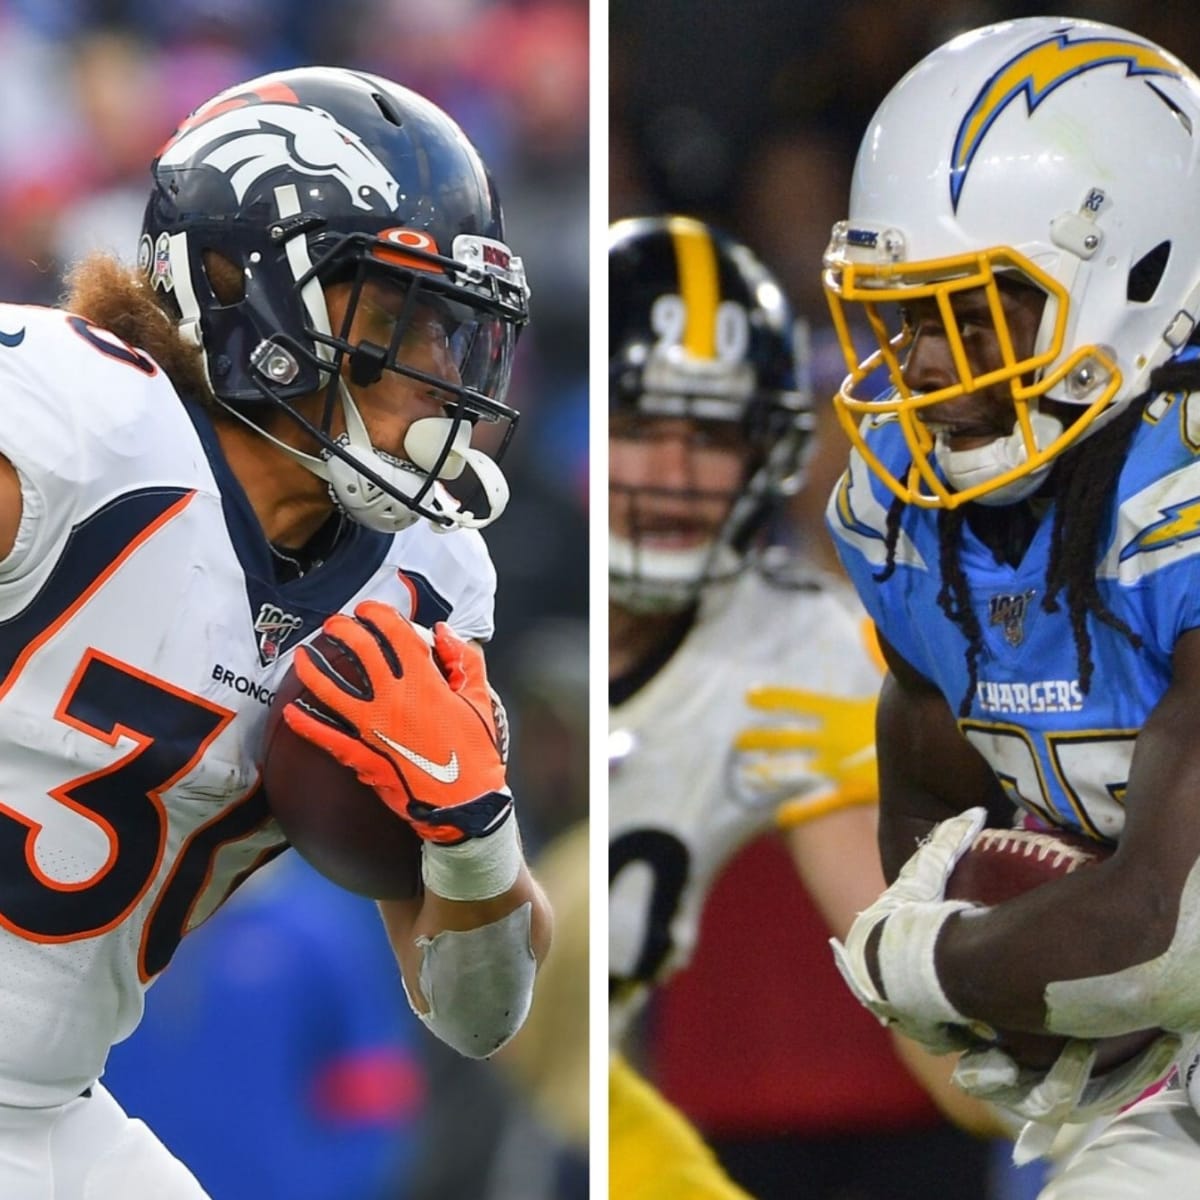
[421, 730]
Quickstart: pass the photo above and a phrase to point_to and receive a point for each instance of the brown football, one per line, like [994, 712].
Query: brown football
[337, 823]
[1004, 863]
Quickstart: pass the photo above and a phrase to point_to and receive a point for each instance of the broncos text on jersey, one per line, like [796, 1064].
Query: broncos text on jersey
[134, 682]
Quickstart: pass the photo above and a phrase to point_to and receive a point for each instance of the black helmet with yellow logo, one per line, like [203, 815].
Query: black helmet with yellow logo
[700, 329]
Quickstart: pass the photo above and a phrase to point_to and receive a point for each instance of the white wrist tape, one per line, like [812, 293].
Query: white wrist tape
[913, 911]
[906, 967]
[477, 869]
[927, 1016]
[478, 983]
[1163, 992]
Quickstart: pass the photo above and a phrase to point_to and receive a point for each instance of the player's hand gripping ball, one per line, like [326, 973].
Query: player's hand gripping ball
[336, 822]
[416, 721]
[1003, 864]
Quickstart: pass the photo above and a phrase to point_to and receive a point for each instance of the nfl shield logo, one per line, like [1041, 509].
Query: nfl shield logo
[1009, 613]
[274, 627]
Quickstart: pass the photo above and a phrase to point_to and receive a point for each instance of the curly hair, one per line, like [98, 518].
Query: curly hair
[1085, 480]
[117, 298]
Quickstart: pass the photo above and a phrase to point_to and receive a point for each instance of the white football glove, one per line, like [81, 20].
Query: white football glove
[912, 912]
[1066, 1091]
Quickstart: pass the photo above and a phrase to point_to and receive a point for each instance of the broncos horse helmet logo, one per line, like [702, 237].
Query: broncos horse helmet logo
[246, 141]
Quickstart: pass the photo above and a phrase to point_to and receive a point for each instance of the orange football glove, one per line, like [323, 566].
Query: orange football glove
[422, 732]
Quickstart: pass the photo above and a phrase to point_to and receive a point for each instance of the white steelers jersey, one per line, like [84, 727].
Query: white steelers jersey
[682, 800]
[142, 634]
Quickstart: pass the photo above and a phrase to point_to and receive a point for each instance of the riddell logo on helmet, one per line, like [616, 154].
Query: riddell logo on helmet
[867, 238]
[490, 258]
[495, 256]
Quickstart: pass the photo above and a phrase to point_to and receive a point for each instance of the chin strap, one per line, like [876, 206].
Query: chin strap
[646, 580]
[370, 505]
[968, 468]
[366, 502]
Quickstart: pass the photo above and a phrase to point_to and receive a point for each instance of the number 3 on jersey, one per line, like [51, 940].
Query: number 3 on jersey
[110, 701]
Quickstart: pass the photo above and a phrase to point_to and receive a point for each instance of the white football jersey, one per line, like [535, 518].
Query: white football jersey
[142, 633]
[682, 800]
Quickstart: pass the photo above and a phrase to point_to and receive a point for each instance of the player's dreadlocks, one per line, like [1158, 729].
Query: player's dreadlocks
[1086, 477]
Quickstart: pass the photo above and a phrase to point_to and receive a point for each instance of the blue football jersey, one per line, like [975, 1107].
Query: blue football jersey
[1058, 752]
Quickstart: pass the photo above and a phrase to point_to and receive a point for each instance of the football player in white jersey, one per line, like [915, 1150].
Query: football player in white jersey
[741, 692]
[200, 462]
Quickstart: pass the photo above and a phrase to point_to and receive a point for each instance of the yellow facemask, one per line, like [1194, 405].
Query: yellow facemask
[1088, 377]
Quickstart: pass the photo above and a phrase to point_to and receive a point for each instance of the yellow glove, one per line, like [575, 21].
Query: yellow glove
[818, 752]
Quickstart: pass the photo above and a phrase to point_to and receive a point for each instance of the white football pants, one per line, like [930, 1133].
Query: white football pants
[87, 1149]
[1151, 1150]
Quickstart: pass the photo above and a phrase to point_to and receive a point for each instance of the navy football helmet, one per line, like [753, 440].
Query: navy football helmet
[316, 176]
[699, 328]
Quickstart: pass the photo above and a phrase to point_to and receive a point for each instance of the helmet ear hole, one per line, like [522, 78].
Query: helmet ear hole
[224, 277]
[1146, 274]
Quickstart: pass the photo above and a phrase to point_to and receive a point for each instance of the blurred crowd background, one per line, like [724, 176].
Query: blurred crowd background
[278, 1056]
[749, 116]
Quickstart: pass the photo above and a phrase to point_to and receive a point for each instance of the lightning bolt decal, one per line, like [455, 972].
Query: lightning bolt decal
[1180, 522]
[846, 513]
[1034, 74]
